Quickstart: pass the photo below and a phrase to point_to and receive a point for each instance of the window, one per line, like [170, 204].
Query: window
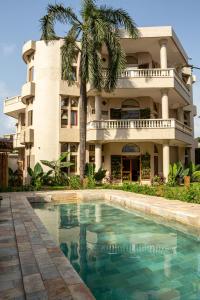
[31, 74]
[115, 113]
[74, 147]
[73, 159]
[130, 109]
[130, 148]
[131, 114]
[91, 147]
[64, 118]
[30, 117]
[64, 147]
[91, 159]
[74, 118]
[65, 102]
[74, 102]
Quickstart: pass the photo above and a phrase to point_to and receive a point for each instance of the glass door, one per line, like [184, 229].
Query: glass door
[126, 169]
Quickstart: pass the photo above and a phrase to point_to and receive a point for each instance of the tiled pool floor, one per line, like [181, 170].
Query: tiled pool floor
[121, 255]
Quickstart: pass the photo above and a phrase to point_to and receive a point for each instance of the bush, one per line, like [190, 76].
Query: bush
[157, 180]
[75, 182]
[138, 188]
[99, 175]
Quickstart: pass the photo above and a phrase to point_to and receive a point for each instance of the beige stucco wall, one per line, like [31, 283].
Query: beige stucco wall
[46, 105]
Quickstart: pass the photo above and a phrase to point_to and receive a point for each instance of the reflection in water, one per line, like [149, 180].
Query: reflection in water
[122, 256]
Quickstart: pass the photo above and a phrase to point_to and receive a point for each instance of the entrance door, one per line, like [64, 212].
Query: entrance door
[135, 168]
[130, 168]
[126, 168]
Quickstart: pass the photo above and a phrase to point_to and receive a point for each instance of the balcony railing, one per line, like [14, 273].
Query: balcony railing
[140, 124]
[12, 100]
[147, 73]
[153, 73]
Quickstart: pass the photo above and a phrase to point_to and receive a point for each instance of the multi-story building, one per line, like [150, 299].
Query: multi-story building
[133, 132]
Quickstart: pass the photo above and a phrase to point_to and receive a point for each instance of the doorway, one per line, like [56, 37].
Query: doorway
[130, 168]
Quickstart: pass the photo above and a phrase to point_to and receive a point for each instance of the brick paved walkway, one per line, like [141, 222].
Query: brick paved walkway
[31, 265]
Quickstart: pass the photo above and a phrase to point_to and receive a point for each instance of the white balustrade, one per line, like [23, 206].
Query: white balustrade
[139, 124]
[152, 73]
[147, 73]
[12, 100]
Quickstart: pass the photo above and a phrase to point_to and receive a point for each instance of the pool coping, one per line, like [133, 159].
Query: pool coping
[32, 263]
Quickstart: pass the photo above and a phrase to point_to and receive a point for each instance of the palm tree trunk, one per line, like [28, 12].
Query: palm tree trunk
[82, 124]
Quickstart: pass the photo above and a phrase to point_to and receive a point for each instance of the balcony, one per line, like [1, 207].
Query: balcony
[13, 106]
[28, 49]
[17, 141]
[147, 79]
[28, 91]
[143, 129]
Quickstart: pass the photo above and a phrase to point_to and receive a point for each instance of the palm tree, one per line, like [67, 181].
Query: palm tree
[96, 28]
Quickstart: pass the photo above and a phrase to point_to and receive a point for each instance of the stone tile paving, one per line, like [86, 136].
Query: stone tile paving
[31, 265]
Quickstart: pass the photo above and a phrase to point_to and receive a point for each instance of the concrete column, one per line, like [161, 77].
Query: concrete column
[98, 101]
[98, 155]
[163, 54]
[165, 104]
[166, 160]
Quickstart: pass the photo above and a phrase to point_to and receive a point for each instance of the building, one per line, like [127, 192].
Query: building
[133, 132]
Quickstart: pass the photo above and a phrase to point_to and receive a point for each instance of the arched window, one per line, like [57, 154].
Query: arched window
[130, 148]
[130, 109]
[130, 103]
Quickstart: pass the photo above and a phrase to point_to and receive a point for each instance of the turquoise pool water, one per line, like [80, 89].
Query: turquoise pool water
[121, 255]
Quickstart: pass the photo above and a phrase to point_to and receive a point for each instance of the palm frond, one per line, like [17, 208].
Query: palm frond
[47, 28]
[69, 55]
[55, 13]
[116, 60]
[119, 18]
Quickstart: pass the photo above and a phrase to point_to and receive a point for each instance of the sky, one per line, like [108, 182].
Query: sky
[19, 22]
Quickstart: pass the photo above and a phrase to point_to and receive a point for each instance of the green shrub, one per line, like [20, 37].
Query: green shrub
[89, 169]
[99, 175]
[75, 182]
[138, 188]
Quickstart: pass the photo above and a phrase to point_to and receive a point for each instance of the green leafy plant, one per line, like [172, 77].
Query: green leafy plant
[58, 168]
[99, 175]
[176, 173]
[193, 172]
[36, 175]
[75, 182]
[157, 180]
[15, 178]
[93, 176]
[89, 169]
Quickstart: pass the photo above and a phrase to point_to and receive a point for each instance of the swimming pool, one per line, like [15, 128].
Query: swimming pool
[121, 255]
